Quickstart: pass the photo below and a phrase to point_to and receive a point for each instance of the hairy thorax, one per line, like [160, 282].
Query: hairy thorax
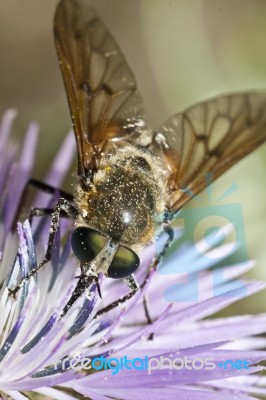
[125, 198]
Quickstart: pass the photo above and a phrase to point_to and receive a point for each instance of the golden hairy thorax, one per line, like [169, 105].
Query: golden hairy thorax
[125, 199]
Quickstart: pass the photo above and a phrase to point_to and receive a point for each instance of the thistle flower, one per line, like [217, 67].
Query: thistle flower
[42, 352]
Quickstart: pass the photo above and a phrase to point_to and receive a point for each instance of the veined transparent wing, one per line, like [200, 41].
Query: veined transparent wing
[207, 139]
[101, 89]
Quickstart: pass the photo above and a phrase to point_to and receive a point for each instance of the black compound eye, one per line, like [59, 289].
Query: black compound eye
[124, 263]
[87, 243]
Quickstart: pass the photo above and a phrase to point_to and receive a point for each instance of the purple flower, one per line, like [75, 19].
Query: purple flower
[178, 353]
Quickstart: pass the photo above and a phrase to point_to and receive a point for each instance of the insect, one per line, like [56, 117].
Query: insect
[131, 179]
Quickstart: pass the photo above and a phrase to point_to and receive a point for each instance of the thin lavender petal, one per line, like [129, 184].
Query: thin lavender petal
[141, 333]
[22, 251]
[31, 248]
[11, 337]
[172, 352]
[202, 332]
[252, 356]
[5, 127]
[58, 169]
[41, 334]
[107, 335]
[24, 172]
[65, 254]
[41, 358]
[157, 378]
[85, 312]
[167, 393]
[40, 227]
[222, 329]
[35, 383]
[16, 395]
[94, 395]
[16, 330]
[7, 198]
[246, 384]
[210, 306]
[55, 394]
[41, 352]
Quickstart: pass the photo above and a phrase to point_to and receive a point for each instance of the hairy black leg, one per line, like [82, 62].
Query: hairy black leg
[45, 187]
[154, 265]
[63, 208]
[147, 315]
[42, 186]
[84, 283]
[133, 288]
[159, 258]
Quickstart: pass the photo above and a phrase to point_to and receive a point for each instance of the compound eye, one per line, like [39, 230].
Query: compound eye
[124, 263]
[87, 243]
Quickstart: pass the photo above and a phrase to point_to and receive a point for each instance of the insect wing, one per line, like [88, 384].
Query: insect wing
[201, 143]
[101, 89]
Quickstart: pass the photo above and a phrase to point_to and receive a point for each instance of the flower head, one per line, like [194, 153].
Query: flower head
[146, 347]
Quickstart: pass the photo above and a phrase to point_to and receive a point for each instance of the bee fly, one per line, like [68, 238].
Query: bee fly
[131, 180]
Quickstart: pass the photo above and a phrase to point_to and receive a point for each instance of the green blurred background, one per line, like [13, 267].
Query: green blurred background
[180, 51]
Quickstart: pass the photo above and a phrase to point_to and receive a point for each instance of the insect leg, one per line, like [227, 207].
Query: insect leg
[154, 265]
[63, 207]
[45, 187]
[42, 186]
[133, 287]
[159, 258]
[84, 283]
